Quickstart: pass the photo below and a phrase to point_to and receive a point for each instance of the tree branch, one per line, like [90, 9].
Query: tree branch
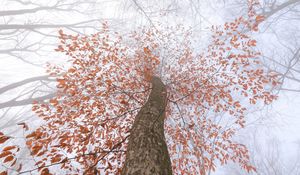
[14, 103]
[23, 82]
[280, 7]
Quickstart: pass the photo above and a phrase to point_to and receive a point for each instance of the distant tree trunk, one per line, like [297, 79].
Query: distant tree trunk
[147, 152]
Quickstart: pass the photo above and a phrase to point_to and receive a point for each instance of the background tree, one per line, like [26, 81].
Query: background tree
[281, 22]
[269, 158]
[28, 34]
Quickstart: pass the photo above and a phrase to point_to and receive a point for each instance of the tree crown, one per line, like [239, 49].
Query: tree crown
[87, 124]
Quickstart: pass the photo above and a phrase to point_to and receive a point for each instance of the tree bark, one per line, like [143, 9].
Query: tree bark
[147, 152]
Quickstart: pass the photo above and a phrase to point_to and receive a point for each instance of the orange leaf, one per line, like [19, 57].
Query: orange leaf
[259, 18]
[31, 135]
[252, 43]
[53, 101]
[5, 153]
[8, 158]
[3, 139]
[146, 50]
[237, 104]
[9, 148]
[55, 159]
[45, 171]
[36, 149]
[3, 173]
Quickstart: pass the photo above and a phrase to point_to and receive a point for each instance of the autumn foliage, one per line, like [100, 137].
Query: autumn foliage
[87, 124]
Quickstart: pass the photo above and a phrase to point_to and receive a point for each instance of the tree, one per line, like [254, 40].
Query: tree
[121, 95]
[272, 160]
[281, 22]
[147, 151]
[28, 34]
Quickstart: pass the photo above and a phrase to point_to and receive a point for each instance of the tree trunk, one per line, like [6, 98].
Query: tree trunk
[147, 152]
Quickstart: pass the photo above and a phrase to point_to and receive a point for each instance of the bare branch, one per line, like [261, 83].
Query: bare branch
[280, 7]
[23, 82]
[28, 101]
[41, 26]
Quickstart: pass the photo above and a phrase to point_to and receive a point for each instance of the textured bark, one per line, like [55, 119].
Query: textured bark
[147, 152]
